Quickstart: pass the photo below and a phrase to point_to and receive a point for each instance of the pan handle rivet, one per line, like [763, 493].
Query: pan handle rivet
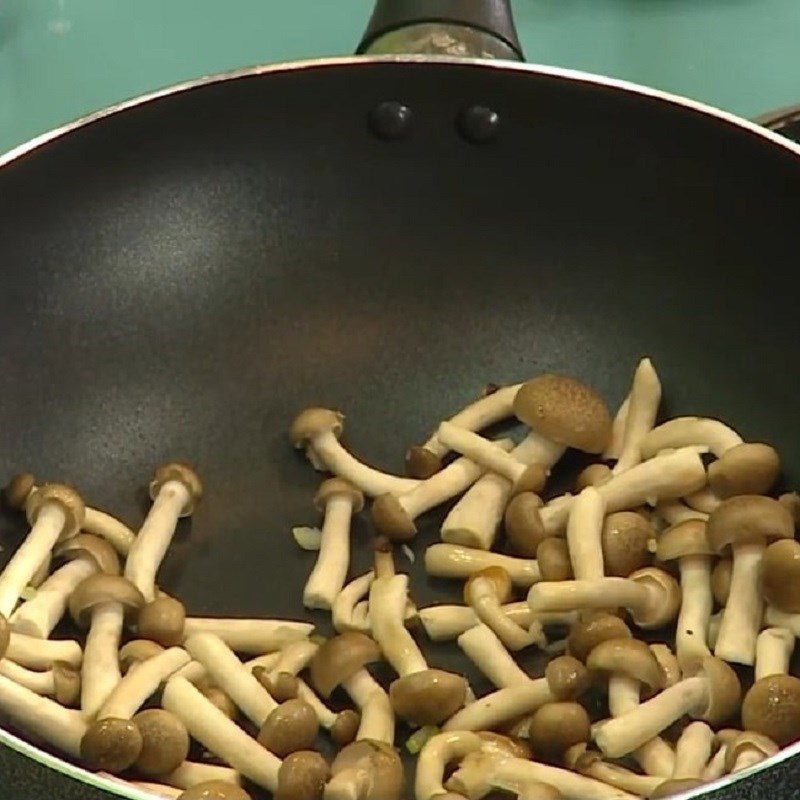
[390, 120]
[478, 124]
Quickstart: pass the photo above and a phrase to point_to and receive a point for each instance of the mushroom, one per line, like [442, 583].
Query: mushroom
[111, 745]
[343, 615]
[255, 636]
[165, 742]
[62, 682]
[218, 734]
[174, 490]
[437, 753]
[281, 679]
[343, 725]
[340, 658]
[791, 502]
[626, 540]
[485, 592]
[591, 629]
[672, 787]
[774, 648]
[715, 768]
[33, 653]
[215, 790]
[568, 678]
[338, 500]
[744, 469]
[651, 595]
[555, 727]
[554, 560]
[424, 460]
[487, 652]
[377, 715]
[703, 500]
[721, 581]
[689, 431]
[101, 603]
[643, 402]
[772, 708]
[455, 561]
[566, 411]
[747, 750]
[772, 616]
[302, 776]
[673, 512]
[693, 750]
[317, 431]
[394, 515]
[710, 691]
[41, 718]
[85, 555]
[584, 530]
[688, 544]
[162, 621]
[290, 727]
[615, 443]
[494, 458]
[522, 523]
[136, 652]
[593, 475]
[745, 523]
[55, 513]
[780, 575]
[366, 770]
[590, 763]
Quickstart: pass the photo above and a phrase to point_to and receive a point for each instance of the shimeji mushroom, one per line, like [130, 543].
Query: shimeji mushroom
[394, 515]
[85, 555]
[627, 539]
[192, 773]
[34, 653]
[522, 523]
[317, 431]
[291, 727]
[475, 518]
[302, 776]
[678, 786]
[715, 768]
[62, 682]
[593, 475]
[688, 432]
[643, 402]
[175, 490]
[55, 513]
[651, 595]
[254, 636]
[693, 750]
[102, 603]
[162, 621]
[744, 469]
[281, 679]
[584, 535]
[338, 500]
[791, 501]
[590, 763]
[366, 770]
[617, 439]
[41, 718]
[774, 648]
[555, 727]
[625, 661]
[554, 561]
[745, 523]
[425, 460]
[377, 715]
[712, 693]
[487, 652]
[747, 750]
[165, 742]
[341, 725]
[780, 575]
[455, 561]
[437, 753]
[688, 544]
[136, 652]
[343, 616]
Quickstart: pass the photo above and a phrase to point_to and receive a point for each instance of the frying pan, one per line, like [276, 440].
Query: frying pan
[383, 235]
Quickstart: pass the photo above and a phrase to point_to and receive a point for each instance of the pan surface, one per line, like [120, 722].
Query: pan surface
[181, 278]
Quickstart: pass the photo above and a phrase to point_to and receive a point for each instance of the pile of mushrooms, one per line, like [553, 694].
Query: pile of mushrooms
[668, 563]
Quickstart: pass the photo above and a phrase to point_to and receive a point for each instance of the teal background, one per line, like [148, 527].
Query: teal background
[60, 59]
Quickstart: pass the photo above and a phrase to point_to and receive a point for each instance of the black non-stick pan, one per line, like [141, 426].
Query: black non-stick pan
[382, 235]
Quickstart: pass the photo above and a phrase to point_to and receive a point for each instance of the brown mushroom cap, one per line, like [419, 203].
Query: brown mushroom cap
[748, 518]
[284, 686]
[565, 410]
[18, 489]
[428, 697]
[497, 577]
[666, 609]
[688, 538]
[215, 790]
[222, 701]
[88, 546]
[591, 630]
[626, 656]
[312, 422]
[345, 728]
[98, 589]
[532, 479]
[184, 473]
[626, 539]
[5, 635]
[165, 742]
[523, 524]
[593, 475]
[380, 760]
[302, 776]
[554, 560]
[724, 690]
[567, 677]
[555, 727]
[111, 745]
[772, 708]
[747, 741]
[721, 580]
[505, 745]
[162, 621]
[65, 496]
[339, 658]
[136, 651]
[791, 502]
[780, 575]
[421, 463]
[290, 727]
[676, 786]
[67, 683]
[744, 469]
[391, 519]
[337, 487]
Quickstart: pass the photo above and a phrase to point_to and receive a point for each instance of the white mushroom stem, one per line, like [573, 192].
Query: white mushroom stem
[40, 615]
[666, 477]
[42, 718]
[600, 593]
[487, 652]
[716, 766]
[41, 683]
[697, 603]
[455, 561]
[703, 500]
[774, 648]
[693, 750]
[252, 636]
[436, 754]
[673, 512]
[330, 571]
[100, 671]
[230, 675]
[617, 441]
[504, 705]
[772, 616]
[387, 600]
[643, 402]
[154, 537]
[655, 756]
[622, 735]
[294, 658]
[191, 773]
[484, 601]
[688, 431]
[116, 533]
[194, 672]
[741, 618]
[343, 607]
[218, 734]
[484, 412]
[377, 716]
[714, 624]
[584, 530]
[141, 683]
[325, 716]
[29, 555]
[43, 653]
[475, 518]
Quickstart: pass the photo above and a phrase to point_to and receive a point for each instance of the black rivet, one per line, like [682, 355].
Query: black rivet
[390, 120]
[478, 124]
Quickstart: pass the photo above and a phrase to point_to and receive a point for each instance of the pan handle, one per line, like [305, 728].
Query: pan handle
[469, 28]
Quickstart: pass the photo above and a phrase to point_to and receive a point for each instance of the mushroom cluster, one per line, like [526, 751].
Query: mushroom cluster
[668, 563]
